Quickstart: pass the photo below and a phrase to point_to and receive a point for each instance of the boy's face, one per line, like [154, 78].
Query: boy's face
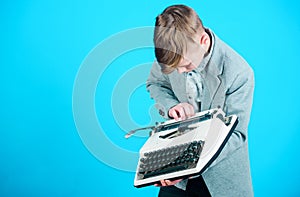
[192, 59]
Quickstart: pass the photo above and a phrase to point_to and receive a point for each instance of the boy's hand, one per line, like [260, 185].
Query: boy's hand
[181, 111]
[167, 183]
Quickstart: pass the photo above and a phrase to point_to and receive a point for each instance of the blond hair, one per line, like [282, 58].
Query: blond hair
[174, 28]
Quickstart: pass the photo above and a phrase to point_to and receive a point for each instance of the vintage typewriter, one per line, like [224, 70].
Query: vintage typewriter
[179, 149]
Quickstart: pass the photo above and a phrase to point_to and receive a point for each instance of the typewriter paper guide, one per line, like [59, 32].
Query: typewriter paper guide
[213, 132]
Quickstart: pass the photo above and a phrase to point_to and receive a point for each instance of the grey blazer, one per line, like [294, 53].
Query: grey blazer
[228, 81]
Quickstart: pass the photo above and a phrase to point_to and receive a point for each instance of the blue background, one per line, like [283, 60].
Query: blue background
[42, 46]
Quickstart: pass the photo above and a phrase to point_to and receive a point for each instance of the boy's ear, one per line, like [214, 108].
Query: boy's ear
[204, 39]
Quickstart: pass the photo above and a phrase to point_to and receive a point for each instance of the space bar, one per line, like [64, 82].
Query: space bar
[165, 171]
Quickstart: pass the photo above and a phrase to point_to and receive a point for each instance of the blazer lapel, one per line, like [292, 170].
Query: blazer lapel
[213, 88]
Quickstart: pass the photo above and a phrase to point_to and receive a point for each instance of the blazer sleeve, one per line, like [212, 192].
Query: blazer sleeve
[238, 101]
[158, 84]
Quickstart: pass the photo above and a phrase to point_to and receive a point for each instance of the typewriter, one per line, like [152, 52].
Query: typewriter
[179, 149]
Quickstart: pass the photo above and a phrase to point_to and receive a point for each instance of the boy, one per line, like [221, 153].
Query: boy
[196, 71]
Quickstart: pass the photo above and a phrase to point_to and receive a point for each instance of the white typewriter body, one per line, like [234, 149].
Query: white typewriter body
[211, 127]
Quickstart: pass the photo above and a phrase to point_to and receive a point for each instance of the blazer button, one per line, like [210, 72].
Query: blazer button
[161, 112]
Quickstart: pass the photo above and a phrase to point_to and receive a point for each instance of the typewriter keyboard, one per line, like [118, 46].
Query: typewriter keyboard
[171, 159]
